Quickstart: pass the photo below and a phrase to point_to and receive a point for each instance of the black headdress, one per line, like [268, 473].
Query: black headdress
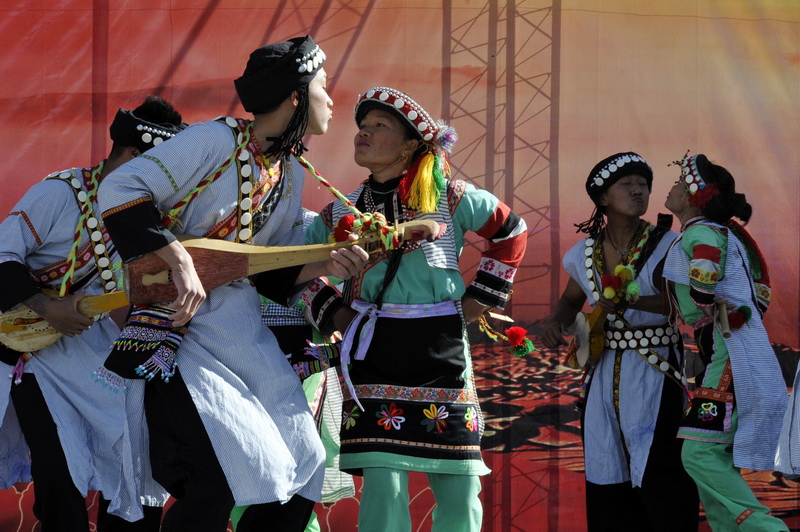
[129, 130]
[275, 70]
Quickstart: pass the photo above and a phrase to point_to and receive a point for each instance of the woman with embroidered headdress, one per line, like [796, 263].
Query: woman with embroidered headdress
[633, 393]
[717, 275]
[410, 399]
[229, 422]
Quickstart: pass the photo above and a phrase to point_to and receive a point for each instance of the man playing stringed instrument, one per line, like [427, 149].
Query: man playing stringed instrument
[633, 393]
[54, 238]
[229, 424]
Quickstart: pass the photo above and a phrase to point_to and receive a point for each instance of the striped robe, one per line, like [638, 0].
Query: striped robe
[248, 397]
[640, 386]
[760, 393]
[103, 433]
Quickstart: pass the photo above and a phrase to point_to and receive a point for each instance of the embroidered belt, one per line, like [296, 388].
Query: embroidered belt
[639, 337]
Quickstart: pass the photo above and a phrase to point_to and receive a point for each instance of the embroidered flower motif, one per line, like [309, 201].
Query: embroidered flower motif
[350, 417]
[488, 266]
[392, 392]
[472, 419]
[707, 411]
[390, 417]
[436, 416]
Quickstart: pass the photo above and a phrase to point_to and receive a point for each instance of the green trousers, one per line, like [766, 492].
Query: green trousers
[385, 504]
[727, 498]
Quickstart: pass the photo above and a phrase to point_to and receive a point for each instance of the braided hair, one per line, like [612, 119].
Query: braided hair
[291, 140]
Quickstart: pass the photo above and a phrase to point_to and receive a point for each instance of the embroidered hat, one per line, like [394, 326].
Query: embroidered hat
[428, 130]
[275, 70]
[700, 192]
[691, 175]
[130, 128]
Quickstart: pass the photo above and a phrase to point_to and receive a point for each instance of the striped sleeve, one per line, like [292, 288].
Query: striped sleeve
[33, 224]
[506, 234]
[134, 197]
[704, 247]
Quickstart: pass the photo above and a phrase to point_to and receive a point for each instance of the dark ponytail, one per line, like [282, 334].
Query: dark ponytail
[728, 203]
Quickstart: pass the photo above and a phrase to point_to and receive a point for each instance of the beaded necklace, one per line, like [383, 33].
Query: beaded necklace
[247, 188]
[595, 257]
[399, 214]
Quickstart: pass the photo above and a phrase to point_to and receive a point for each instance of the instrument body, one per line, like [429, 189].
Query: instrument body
[21, 329]
[587, 344]
[217, 262]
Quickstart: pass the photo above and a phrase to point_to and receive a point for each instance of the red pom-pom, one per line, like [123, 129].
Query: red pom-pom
[344, 227]
[606, 280]
[516, 335]
[616, 283]
[736, 319]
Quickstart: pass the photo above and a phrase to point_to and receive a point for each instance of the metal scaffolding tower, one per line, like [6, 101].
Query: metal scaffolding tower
[500, 92]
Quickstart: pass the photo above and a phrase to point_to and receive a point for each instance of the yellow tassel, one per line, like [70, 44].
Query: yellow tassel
[423, 195]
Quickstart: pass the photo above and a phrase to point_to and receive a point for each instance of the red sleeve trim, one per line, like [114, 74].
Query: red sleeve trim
[706, 252]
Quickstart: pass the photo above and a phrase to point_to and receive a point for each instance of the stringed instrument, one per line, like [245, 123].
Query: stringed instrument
[587, 344]
[147, 279]
[218, 262]
[21, 329]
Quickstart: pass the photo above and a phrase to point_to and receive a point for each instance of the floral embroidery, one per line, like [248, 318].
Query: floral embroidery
[702, 276]
[436, 416]
[350, 417]
[390, 417]
[429, 395]
[707, 411]
[472, 419]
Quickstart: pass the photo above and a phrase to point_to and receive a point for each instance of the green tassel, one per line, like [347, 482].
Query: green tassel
[747, 311]
[525, 348]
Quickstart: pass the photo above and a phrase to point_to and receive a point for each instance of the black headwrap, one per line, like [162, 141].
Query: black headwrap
[606, 173]
[275, 70]
[129, 130]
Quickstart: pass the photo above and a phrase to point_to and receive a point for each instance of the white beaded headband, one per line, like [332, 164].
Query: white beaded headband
[614, 165]
[154, 136]
[311, 61]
